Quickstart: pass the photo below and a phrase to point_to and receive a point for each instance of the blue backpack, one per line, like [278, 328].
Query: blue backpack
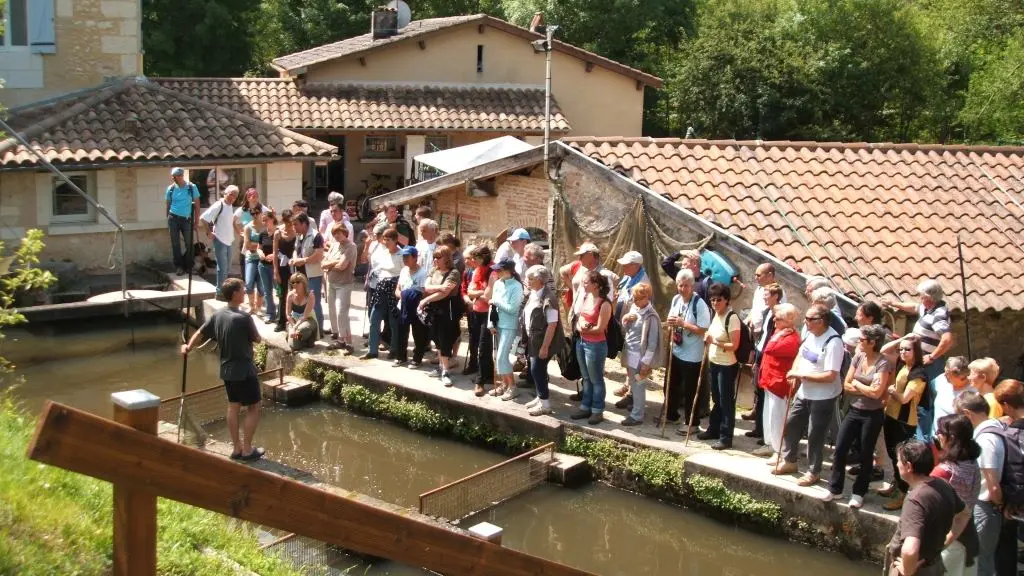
[717, 267]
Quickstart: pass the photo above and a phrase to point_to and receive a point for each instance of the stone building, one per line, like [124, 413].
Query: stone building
[876, 219]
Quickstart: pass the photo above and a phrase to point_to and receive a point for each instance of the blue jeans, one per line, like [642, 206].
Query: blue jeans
[591, 356]
[252, 276]
[926, 415]
[723, 394]
[181, 231]
[316, 284]
[539, 372]
[266, 272]
[377, 314]
[222, 252]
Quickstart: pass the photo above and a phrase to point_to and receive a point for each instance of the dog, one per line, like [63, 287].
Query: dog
[201, 259]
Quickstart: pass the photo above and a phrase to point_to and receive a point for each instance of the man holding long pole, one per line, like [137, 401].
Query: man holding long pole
[688, 318]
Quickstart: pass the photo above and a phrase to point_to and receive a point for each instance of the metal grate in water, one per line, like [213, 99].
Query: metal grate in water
[486, 488]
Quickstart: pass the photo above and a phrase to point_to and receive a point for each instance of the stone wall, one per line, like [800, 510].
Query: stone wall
[521, 201]
[994, 334]
[95, 40]
[91, 251]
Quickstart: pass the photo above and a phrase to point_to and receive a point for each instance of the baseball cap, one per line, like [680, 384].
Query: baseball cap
[631, 257]
[504, 264]
[519, 234]
[851, 337]
[587, 248]
[409, 251]
[177, 171]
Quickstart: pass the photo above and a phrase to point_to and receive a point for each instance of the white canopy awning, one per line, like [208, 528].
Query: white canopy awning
[458, 159]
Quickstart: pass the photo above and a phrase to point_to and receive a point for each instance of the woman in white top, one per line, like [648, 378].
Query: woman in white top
[724, 338]
[385, 266]
[411, 280]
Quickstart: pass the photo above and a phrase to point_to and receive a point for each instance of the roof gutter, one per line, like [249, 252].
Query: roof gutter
[710, 226]
[169, 162]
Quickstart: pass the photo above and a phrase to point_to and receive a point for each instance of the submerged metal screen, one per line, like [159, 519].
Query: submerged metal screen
[201, 408]
[486, 488]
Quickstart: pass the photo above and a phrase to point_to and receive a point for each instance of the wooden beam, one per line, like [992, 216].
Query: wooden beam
[362, 61]
[455, 179]
[589, 67]
[134, 509]
[91, 445]
[480, 28]
[422, 44]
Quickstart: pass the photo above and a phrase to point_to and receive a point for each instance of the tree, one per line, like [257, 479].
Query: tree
[21, 275]
[198, 37]
[994, 106]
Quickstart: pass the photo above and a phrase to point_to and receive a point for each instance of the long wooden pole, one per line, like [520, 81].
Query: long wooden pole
[665, 385]
[963, 288]
[696, 395]
[91, 445]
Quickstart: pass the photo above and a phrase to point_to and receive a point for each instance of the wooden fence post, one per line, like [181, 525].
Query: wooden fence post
[135, 510]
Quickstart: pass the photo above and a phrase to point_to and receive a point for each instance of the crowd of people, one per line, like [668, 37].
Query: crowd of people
[949, 428]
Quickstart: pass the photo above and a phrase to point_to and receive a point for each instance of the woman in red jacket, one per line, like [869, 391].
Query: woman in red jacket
[776, 361]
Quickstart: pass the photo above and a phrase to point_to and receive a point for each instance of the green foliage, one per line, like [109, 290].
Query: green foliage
[23, 276]
[994, 106]
[658, 468]
[259, 355]
[57, 522]
[712, 493]
[199, 37]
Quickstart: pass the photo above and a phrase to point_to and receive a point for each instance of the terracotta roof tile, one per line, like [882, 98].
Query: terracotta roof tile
[342, 106]
[886, 215]
[136, 121]
[419, 28]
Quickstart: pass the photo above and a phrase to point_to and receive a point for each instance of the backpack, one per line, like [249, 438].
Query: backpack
[1012, 481]
[746, 346]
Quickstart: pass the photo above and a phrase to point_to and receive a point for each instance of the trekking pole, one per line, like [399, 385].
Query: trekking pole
[693, 407]
[785, 421]
[664, 388]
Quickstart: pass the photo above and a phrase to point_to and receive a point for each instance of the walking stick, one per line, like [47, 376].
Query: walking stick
[664, 388]
[693, 407]
[785, 421]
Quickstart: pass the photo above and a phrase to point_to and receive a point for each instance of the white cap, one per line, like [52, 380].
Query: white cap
[851, 337]
[587, 248]
[229, 190]
[519, 234]
[631, 257]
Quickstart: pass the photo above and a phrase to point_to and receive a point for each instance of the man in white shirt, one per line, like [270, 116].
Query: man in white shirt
[765, 276]
[513, 248]
[219, 224]
[949, 386]
[427, 244]
[590, 259]
[816, 370]
[335, 212]
[988, 514]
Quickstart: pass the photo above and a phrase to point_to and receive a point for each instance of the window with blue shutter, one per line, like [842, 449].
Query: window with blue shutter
[41, 37]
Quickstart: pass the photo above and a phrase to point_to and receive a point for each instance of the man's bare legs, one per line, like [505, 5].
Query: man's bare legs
[242, 443]
[236, 442]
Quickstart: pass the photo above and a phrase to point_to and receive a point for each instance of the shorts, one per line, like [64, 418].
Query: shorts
[245, 392]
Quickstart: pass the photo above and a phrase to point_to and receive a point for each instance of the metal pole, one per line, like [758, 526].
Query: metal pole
[549, 32]
[963, 288]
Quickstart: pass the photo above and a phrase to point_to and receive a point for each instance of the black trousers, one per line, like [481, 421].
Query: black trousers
[400, 340]
[896, 432]
[863, 424]
[285, 272]
[682, 387]
[474, 338]
[483, 349]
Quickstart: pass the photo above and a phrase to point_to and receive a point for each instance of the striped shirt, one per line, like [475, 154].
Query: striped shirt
[931, 325]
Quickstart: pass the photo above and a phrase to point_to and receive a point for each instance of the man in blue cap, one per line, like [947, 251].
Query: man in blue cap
[182, 198]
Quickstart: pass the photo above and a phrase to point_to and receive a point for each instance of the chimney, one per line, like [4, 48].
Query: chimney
[383, 22]
[537, 24]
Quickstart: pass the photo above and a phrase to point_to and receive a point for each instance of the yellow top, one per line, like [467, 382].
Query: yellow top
[719, 333]
[994, 409]
[895, 409]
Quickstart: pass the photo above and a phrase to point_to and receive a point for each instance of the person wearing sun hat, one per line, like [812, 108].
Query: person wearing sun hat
[633, 274]
[507, 299]
[512, 248]
[589, 256]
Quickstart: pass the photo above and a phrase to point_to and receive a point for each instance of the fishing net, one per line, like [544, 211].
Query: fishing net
[489, 487]
[201, 409]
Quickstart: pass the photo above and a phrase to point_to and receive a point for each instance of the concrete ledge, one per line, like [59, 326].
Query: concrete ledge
[294, 391]
[569, 471]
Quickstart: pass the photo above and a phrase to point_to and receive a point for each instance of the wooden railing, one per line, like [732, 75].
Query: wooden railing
[142, 467]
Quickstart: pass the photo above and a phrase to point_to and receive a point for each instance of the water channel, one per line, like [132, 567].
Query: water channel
[597, 528]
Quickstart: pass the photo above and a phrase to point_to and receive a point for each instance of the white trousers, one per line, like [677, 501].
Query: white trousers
[774, 416]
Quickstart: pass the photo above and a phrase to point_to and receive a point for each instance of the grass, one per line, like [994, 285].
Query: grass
[57, 522]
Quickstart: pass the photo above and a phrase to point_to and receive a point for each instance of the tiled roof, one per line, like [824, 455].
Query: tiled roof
[419, 28]
[880, 217]
[343, 106]
[133, 121]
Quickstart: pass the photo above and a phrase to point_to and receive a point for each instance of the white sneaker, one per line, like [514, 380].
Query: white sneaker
[534, 402]
[540, 409]
[829, 496]
[511, 394]
[446, 380]
[856, 501]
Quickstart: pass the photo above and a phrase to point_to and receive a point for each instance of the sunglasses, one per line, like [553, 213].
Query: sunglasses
[809, 318]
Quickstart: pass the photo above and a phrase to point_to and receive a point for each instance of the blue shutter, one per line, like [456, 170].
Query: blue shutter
[41, 37]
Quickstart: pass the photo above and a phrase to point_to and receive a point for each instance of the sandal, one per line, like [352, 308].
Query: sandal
[256, 454]
[235, 455]
[622, 390]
